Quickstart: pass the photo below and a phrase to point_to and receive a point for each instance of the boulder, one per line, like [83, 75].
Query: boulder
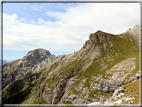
[118, 93]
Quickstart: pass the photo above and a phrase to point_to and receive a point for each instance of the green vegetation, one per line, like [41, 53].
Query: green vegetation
[31, 51]
[4, 75]
[68, 68]
[96, 92]
[124, 48]
[31, 97]
[40, 101]
[67, 102]
[39, 82]
[42, 70]
[18, 90]
[71, 66]
[133, 90]
[12, 64]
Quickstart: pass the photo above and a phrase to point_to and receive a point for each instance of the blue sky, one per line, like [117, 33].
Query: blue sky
[61, 28]
[33, 11]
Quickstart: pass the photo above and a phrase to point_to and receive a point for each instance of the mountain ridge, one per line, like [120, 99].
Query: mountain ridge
[3, 61]
[92, 74]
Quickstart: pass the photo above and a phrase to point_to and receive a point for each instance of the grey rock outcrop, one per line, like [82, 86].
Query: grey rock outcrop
[54, 96]
[97, 37]
[35, 60]
[117, 92]
[119, 72]
[6, 67]
[134, 33]
[34, 57]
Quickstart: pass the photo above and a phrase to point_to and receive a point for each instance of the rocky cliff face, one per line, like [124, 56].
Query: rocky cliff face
[92, 75]
[134, 33]
[98, 37]
[34, 57]
[34, 61]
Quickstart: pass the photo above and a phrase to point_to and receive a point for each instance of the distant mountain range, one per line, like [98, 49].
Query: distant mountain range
[4, 61]
[104, 71]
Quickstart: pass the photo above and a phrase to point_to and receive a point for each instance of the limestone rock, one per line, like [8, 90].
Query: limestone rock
[117, 92]
[134, 33]
[34, 57]
[99, 36]
[31, 62]
[6, 67]
[89, 100]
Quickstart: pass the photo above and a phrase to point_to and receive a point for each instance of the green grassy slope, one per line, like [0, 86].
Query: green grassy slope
[12, 64]
[18, 90]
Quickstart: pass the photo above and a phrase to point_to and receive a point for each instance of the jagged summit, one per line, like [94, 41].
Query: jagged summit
[40, 50]
[34, 57]
[137, 26]
[97, 37]
[134, 33]
[101, 37]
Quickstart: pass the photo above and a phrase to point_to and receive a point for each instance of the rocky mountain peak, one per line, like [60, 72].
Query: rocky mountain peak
[134, 33]
[34, 57]
[97, 37]
[40, 51]
[137, 26]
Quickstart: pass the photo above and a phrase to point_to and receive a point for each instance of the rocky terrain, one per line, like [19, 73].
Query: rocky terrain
[98, 74]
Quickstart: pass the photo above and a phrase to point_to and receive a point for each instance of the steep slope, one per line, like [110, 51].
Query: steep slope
[92, 74]
[134, 33]
[127, 94]
[34, 61]
[21, 75]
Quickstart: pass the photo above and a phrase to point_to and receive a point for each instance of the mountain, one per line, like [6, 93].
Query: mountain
[104, 71]
[3, 61]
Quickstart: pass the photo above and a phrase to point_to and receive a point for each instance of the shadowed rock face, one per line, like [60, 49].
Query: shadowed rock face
[6, 67]
[34, 57]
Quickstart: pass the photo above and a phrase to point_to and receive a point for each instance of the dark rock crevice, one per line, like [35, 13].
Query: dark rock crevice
[62, 85]
[55, 95]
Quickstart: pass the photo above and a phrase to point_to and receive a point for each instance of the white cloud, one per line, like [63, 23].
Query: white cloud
[72, 29]
[23, 19]
[40, 21]
[32, 21]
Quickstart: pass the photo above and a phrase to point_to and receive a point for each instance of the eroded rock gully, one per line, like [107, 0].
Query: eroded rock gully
[54, 95]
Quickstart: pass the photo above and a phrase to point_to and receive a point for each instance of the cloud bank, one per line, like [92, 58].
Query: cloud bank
[72, 29]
